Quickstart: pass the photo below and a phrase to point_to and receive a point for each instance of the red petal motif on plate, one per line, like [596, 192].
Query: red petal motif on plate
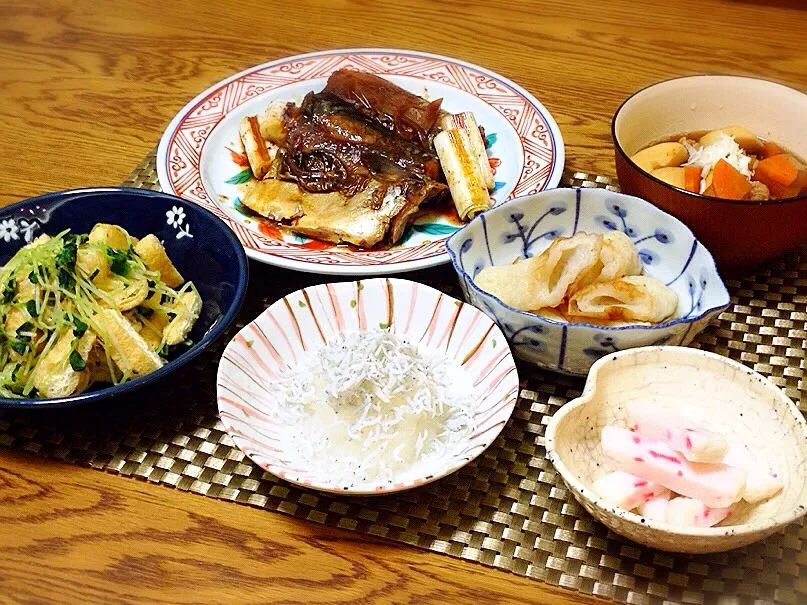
[239, 158]
[270, 230]
[316, 245]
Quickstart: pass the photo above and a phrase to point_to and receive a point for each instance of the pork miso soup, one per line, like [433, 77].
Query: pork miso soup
[730, 163]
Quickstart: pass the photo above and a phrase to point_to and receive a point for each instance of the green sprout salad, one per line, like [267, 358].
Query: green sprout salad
[83, 309]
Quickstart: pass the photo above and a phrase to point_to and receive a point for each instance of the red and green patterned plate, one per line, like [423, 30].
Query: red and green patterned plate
[199, 157]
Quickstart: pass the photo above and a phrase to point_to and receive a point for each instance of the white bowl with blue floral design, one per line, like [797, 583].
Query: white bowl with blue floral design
[526, 226]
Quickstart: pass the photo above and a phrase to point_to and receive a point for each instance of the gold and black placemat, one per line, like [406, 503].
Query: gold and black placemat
[508, 508]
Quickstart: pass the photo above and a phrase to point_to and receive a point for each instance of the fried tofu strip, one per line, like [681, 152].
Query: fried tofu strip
[129, 351]
[153, 254]
[127, 295]
[54, 376]
[150, 328]
[93, 263]
[187, 308]
[99, 367]
[113, 236]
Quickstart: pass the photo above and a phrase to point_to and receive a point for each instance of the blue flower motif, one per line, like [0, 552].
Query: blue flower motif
[605, 344]
[606, 222]
[615, 209]
[526, 336]
[697, 290]
[464, 247]
[660, 235]
[704, 278]
[647, 257]
[663, 236]
[527, 235]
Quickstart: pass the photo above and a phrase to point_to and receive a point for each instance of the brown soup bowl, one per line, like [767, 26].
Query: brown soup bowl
[739, 234]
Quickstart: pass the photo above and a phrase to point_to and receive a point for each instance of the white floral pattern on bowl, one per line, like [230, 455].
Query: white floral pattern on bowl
[11, 229]
[174, 218]
[749, 410]
[524, 227]
[309, 318]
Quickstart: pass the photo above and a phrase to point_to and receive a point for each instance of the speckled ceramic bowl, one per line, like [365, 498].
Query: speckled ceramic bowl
[526, 226]
[749, 410]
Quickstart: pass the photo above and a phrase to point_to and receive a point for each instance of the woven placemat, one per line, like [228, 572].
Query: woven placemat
[508, 508]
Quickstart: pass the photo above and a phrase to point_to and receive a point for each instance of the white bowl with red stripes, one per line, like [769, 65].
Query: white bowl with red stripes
[308, 319]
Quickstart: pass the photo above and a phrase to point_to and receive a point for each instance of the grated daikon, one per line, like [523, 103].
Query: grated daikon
[370, 405]
[725, 148]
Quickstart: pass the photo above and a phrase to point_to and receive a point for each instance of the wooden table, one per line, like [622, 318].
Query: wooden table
[86, 89]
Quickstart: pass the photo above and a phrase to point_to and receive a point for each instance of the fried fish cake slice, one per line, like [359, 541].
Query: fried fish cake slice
[635, 297]
[545, 280]
[619, 257]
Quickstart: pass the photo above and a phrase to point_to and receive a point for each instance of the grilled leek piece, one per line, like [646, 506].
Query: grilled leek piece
[260, 160]
[272, 122]
[461, 169]
[467, 122]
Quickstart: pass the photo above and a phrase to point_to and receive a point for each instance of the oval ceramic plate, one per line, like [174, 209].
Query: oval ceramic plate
[305, 320]
[199, 157]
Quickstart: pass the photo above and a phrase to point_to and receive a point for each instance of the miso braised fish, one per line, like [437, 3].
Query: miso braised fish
[350, 164]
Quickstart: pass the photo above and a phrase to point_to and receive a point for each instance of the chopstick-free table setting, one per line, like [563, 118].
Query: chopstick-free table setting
[506, 510]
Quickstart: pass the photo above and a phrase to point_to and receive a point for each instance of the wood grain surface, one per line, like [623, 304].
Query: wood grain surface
[86, 89]
[74, 535]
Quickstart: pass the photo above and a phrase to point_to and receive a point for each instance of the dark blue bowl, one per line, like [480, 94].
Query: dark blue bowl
[201, 246]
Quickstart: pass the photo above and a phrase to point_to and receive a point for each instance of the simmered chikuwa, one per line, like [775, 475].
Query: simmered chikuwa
[730, 163]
